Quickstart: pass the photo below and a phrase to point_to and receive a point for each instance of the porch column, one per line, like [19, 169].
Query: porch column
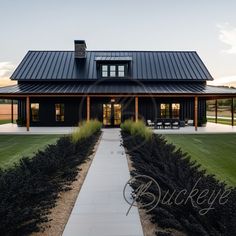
[216, 109]
[12, 111]
[232, 111]
[136, 109]
[27, 113]
[88, 108]
[195, 112]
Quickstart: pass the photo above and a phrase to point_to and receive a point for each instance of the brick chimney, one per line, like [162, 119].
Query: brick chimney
[80, 49]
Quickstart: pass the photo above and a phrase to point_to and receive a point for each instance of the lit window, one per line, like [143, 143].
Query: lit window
[35, 111]
[59, 109]
[104, 71]
[165, 111]
[175, 110]
[112, 71]
[121, 71]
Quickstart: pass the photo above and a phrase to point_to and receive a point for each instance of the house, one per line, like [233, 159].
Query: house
[62, 88]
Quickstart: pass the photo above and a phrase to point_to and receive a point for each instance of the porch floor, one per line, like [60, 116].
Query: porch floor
[14, 129]
[210, 128]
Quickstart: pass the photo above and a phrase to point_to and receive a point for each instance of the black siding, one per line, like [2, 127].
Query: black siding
[75, 109]
[149, 108]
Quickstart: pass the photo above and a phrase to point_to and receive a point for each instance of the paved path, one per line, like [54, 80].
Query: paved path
[100, 209]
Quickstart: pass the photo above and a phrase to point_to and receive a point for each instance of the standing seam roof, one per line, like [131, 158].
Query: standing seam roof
[145, 65]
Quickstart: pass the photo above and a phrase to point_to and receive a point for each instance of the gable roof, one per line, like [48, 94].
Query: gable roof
[145, 65]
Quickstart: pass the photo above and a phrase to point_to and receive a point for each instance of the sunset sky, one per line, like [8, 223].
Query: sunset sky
[207, 26]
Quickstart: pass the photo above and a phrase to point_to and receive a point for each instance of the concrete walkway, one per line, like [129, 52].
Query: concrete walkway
[100, 209]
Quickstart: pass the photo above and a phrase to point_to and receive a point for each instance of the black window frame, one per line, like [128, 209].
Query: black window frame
[116, 70]
[32, 112]
[60, 117]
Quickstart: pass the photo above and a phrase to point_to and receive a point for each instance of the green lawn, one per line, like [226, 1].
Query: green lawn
[215, 152]
[221, 121]
[13, 147]
[4, 122]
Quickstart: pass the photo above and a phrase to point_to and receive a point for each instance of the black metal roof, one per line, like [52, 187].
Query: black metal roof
[118, 88]
[145, 65]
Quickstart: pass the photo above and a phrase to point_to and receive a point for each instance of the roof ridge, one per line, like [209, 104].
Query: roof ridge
[184, 51]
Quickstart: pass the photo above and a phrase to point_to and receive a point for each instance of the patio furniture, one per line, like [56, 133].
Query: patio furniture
[190, 122]
[182, 123]
[167, 124]
[150, 123]
[175, 124]
[159, 124]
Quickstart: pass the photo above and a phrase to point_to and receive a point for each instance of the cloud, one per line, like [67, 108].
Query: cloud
[6, 69]
[226, 80]
[227, 35]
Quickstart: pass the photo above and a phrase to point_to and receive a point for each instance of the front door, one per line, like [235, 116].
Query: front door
[111, 115]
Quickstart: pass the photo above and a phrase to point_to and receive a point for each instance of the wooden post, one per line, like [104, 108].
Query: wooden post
[216, 109]
[12, 111]
[27, 113]
[88, 108]
[195, 112]
[136, 109]
[232, 111]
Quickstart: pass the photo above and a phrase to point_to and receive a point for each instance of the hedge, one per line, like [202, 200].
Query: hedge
[174, 170]
[30, 189]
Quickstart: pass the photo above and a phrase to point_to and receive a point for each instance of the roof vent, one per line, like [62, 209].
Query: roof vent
[80, 49]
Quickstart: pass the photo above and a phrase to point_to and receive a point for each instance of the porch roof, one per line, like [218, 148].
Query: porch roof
[50, 88]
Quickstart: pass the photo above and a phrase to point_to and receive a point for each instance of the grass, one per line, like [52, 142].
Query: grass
[136, 128]
[86, 129]
[5, 122]
[215, 152]
[220, 121]
[13, 147]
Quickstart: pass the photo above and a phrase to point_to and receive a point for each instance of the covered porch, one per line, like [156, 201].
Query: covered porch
[136, 100]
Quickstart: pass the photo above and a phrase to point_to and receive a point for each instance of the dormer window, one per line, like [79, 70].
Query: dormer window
[121, 71]
[104, 70]
[114, 71]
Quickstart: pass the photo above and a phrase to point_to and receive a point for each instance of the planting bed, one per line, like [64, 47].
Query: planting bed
[30, 189]
[173, 170]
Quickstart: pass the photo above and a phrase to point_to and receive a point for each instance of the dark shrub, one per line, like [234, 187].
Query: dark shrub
[174, 171]
[30, 189]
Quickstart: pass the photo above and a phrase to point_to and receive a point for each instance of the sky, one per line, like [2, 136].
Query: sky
[205, 26]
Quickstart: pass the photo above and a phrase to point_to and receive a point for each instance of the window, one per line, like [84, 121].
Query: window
[121, 71]
[35, 111]
[104, 71]
[175, 110]
[165, 111]
[59, 109]
[113, 71]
